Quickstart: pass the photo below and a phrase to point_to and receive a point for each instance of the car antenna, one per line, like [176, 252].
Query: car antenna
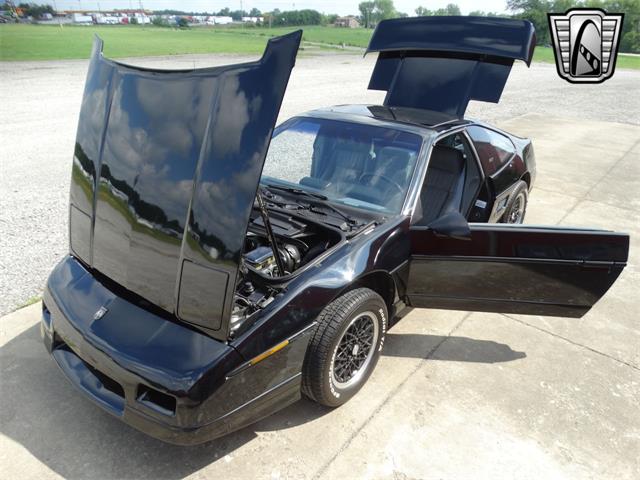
[272, 238]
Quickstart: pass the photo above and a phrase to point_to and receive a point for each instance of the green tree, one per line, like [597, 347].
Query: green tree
[630, 32]
[536, 12]
[384, 9]
[237, 15]
[450, 9]
[423, 12]
[329, 19]
[374, 11]
[482, 13]
[159, 21]
[297, 17]
[182, 23]
[366, 13]
[34, 10]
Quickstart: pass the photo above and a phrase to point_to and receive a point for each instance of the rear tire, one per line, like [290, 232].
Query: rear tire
[345, 347]
[517, 205]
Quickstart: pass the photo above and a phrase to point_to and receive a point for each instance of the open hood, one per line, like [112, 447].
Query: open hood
[166, 168]
[441, 63]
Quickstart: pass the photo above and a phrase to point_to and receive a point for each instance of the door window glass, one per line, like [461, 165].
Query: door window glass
[494, 149]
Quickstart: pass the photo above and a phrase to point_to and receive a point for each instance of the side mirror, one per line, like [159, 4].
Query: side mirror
[451, 225]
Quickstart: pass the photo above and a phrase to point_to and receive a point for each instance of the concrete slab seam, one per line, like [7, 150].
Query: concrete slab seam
[593, 350]
[584, 197]
[386, 399]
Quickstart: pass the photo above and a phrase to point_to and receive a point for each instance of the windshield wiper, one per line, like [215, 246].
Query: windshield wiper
[298, 191]
[350, 220]
[317, 196]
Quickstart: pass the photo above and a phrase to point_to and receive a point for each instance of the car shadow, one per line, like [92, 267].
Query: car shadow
[60, 428]
[448, 348]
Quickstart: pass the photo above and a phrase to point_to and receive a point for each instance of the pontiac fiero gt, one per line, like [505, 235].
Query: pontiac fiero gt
[219, 269]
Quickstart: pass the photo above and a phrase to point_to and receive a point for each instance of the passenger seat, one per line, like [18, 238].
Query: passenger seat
[347, 165]
[444, 183]
[395, 164]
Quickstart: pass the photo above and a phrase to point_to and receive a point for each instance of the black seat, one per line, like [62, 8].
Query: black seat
[346, 163]
[442, 190]
[393, 163]
[388, 174]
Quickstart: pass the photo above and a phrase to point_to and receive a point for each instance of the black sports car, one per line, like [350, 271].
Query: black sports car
[219, 269]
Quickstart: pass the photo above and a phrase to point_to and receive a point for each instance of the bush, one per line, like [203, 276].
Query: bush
[159, 22]
[630, 42]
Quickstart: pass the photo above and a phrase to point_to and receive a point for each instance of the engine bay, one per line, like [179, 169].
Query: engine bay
[298, 241]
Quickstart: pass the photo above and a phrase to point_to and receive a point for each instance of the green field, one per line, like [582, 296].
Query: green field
[48, 42]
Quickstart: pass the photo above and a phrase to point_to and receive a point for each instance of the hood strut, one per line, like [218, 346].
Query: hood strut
[270, 235]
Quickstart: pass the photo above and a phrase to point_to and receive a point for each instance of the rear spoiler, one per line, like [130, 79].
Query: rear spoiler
[441, 63]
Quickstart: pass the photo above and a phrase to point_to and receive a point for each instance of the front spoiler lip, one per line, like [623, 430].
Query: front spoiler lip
[58, 334]
[257, 408]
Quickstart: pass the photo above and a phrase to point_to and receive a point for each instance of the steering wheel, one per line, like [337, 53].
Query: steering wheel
[386, 179]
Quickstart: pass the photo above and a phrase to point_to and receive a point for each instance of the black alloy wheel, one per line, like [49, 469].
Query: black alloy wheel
[345, 347]
[517, 205]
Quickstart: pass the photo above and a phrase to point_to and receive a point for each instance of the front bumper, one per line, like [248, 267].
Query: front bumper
[160, 377]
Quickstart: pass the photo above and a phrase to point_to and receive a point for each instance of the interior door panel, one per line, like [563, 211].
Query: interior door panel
[515, 269]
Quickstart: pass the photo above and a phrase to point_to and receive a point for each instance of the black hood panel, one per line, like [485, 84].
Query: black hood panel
[179, 156]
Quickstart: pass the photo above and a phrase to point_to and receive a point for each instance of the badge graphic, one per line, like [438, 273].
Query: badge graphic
[100, 313]
[585, 43]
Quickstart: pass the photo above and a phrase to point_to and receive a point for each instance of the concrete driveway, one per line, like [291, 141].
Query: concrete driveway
[455, 395]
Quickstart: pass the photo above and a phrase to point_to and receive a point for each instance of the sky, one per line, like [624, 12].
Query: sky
[341, 7]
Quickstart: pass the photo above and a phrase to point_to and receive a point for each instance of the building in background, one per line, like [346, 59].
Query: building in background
[347, 22]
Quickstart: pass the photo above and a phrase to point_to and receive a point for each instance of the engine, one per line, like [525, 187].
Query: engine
[262, 259]
[298, 243]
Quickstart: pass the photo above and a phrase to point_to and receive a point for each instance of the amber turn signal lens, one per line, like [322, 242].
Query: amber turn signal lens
[269, 352]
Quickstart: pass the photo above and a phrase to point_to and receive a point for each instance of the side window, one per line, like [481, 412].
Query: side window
[494, 149]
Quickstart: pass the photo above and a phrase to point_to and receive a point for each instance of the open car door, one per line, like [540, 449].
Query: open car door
[514, 269]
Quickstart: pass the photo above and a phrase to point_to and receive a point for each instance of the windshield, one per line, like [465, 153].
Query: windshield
[350, 163]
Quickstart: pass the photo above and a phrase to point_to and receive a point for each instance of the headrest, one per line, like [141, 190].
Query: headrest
[397, 154]
[447, 159]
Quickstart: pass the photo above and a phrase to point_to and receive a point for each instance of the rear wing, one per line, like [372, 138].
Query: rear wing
[441, 63]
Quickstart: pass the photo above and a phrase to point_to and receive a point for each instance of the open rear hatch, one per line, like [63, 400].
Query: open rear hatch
[166, 168]
[441, 63]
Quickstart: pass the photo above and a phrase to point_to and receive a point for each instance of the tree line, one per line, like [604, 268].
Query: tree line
[373, 11]
[536, 12]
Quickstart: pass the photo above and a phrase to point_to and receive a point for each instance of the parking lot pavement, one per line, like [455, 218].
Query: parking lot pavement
[455, 394]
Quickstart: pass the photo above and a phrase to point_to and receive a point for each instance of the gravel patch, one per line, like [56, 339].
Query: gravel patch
[39, 109]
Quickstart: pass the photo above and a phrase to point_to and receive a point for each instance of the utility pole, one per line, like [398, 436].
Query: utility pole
[55, 7]
[142, 14]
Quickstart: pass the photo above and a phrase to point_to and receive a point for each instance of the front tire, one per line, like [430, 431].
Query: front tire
[345, 347]
[517, 205]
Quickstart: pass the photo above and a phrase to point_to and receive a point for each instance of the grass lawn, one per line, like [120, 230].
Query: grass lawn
[355, 37]
[49, 42]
